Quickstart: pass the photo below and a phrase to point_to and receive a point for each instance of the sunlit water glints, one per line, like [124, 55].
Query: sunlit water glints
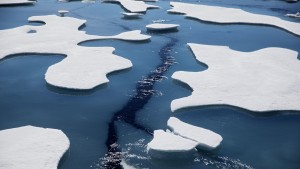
[115, 121]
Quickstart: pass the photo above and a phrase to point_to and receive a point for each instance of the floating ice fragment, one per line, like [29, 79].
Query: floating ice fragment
[296, 15]
[225, 15]
[131, 15]
[62, 12]
[84, 67]
[169, 146]
[133, 6]
[32, 147]
[206, 139]
[161, 27]
[16, 2]
[263, 80]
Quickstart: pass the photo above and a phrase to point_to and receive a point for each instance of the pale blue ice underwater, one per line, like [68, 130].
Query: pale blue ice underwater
[270, 140]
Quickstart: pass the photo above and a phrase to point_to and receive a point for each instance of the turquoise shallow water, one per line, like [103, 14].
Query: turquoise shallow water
[251, 140]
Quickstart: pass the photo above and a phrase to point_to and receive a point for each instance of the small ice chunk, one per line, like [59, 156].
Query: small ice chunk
[296, 15]
[32, 147]
[169, 146]
[161, 27]
[62, 12]
[205, 139]
[131, 15]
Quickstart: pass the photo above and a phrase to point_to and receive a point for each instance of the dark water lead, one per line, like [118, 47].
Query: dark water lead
[144, 91]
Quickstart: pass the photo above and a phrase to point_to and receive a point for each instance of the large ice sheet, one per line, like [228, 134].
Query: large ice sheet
[169, 146]
[263, 80]
[32, 147]
[206, 139]
[16, 2]
[224, 15]
[84, 67]
[133, 5]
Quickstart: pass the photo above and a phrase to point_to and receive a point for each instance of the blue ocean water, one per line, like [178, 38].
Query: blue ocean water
[251, 139]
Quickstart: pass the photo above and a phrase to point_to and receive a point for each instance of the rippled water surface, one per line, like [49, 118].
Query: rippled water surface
[115, 121]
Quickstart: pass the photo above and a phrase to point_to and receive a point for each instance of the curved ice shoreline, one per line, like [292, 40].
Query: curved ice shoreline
[224, 15]
[32, 147]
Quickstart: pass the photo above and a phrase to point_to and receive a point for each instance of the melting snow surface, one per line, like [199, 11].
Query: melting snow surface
[206, 139]
[160, 26]
[31, 147]
[263, 80]
[167, 146]
[16, 2]
[133, 5]
[84, 67]
[231, 15]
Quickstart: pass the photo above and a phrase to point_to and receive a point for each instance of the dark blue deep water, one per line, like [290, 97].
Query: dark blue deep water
[115, 121]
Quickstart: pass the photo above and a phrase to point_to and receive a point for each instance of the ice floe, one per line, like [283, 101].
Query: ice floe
[62, 12]
[84, 67]
[169, 146]
[206, 139]
[225, 15]
[16, 2]
[263, 80]
[161, 27]
[32, 147]
[132, 5]
[296, 15]
[128, 15]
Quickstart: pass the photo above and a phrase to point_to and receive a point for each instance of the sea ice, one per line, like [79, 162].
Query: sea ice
[161, 27]
[206, 139]
[84, 67]
[16, 2]
[32, 147]
[169, 146]
[263, 80]
[131, 15]
[224, 15]
[133, 6]
[296, 15]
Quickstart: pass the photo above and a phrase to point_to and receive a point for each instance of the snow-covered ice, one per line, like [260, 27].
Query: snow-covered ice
[133, 6]
[205, 138]
[16, 2]
[225, 15]
[31, 147]
[84, 67]
[169, 146]
[161, 26]
[263, 80]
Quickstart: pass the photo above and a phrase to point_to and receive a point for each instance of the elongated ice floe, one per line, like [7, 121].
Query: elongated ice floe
[161, 26]
[169, 146]
[263, 80]
[206, 139]
[84, 67]
[32, 147]
[131, 15]
[16, 2]
[224, 15]
[133, 6]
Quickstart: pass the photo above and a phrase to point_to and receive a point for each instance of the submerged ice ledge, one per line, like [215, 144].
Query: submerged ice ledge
[224, 15]
[263, 80]
[32, 147]
[84, 67]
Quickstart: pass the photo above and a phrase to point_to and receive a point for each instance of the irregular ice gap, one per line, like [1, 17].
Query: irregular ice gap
[84, 67]
[169, 146]
[205, 138]
[16, 2]
[32, 147]
[263, 80]
[132, 5]
[160, 26]
[224, 15]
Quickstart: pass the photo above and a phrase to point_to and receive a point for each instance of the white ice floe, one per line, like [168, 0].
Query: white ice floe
[263, 80]
[206, 139]
[169, 146]
[84, 67]
[16, 2]
[133, 6]
[161, 26]
[131, 15]
[32, 147]
[296, 15]
[62, 12]
[231, 15]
